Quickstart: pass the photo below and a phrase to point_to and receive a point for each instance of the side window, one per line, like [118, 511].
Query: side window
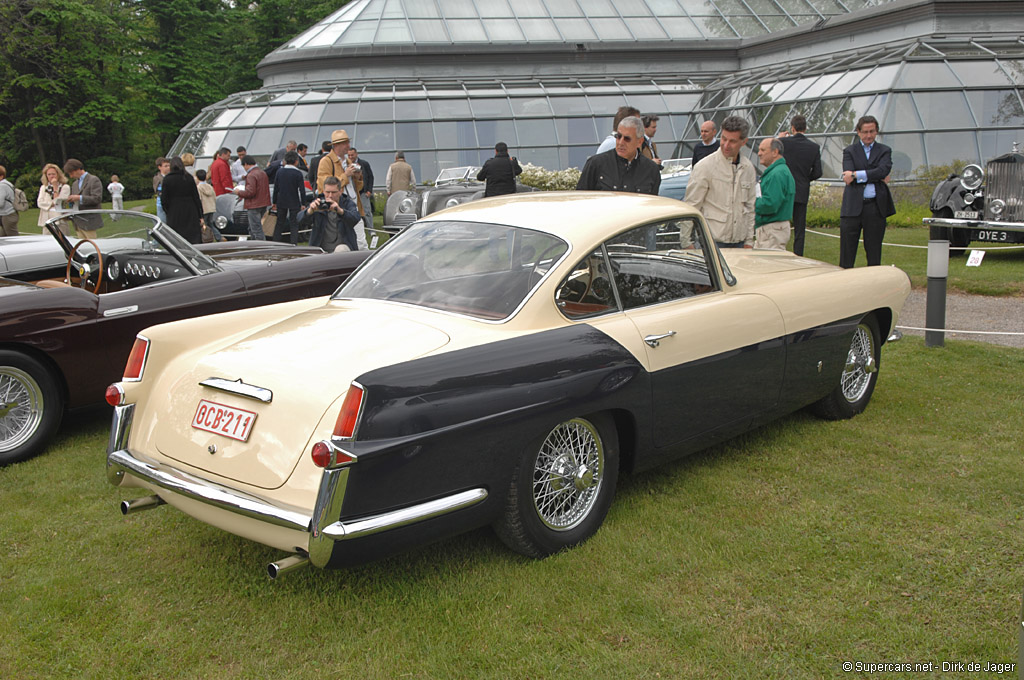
[587, 290]
[661, 262]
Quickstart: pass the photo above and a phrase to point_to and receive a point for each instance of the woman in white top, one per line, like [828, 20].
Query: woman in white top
[54, 190]
[116, 190]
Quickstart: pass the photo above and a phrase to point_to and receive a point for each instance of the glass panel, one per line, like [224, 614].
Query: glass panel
[264, 141]
[538, 30]
[303, 134]
[421, 10]
[226, 117]
[832, 156]
[996, 107]
[611, 29]
[564, 9]
[214, 140]
[818, 88]
[907, 153]
[415, 135]
[578, 131]
[529, 8]
[307, 113]
[503, 30]
[850, 110]
[944, 109]
[569, 105]
[532, 106]
[946, 147]
[490, 132]
[457, 8]
[879, 79]
[275, 115]
[392, 31]
[576, 29]
[921, 74]
[409, 109]
[798, 88]
[648, 103]
[996, 142]
[632, 8]
[578, 156]
[450, 108]
[467, 30]
[536, 132]
[902, 113]
[979, 73]
[376, 109]
[545, 157]
[340, 112]
[456, 134]
[680, 103]
[249, 116]
[490, 108]
[680, 27]
[606, 104]
[429, 30]
[747, 26]
[664, 8]
[598, 8]
[846, 84]
[493, 8]
[328, 35]
[361, 33]
[1015, 69]
[374, 136]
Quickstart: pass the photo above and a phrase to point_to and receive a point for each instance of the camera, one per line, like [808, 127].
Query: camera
[323, 202]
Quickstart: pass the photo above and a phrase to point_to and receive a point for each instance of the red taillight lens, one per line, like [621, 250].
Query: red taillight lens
[114, 395]
[349, 416]
[321, 454]
[137, 359]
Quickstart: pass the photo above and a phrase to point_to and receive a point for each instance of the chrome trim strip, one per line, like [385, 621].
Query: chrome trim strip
[973, 224]
[121, 310]
[240, 388]
[359, 528]
[205, 491]
[120, 430]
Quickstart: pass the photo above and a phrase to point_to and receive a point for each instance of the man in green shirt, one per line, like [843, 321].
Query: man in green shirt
[774, 207]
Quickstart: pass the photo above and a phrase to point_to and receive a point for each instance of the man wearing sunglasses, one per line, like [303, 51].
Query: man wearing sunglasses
[623, 168]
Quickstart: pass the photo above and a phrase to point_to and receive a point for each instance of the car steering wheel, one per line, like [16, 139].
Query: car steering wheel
[84, 270]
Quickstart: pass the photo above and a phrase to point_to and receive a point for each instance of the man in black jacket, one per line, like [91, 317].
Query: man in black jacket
[289, 195]
[623, 168]
[803, 158]
[866, 199]
[500, 172]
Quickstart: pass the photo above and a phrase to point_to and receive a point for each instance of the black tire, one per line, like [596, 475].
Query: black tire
[562, 488]
[857, 382]
[31, 407]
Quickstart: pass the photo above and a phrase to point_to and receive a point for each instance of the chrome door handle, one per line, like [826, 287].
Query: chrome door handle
[653, 340]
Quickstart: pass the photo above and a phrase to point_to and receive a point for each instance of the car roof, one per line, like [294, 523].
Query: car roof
[580, 217]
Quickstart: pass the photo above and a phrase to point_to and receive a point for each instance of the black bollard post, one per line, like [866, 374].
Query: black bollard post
[938, 272]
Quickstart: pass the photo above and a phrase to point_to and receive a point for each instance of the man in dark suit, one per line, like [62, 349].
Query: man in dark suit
[86, 194]
[866, 200]
[803, 158]
[289, 196]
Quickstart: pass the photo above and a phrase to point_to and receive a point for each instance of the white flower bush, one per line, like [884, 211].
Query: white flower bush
[549, 180]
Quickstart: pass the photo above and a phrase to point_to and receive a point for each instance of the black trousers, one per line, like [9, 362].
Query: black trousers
[872, 223]
[799, 226]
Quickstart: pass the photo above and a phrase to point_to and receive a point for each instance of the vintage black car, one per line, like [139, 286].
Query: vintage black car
[982, 204]
[66, 329]
[453, 186]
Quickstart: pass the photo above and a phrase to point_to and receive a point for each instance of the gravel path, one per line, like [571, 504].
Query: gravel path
[970, 313]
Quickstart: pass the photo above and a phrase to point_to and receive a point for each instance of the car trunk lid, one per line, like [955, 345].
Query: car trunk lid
[276, 389]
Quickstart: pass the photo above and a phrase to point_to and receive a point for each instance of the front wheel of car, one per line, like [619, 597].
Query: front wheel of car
[958, 239]
[562, 487]
[857, 382]
[31, 407]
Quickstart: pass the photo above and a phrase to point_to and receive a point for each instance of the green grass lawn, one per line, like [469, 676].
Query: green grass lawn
[896, 536]
[1001, 271]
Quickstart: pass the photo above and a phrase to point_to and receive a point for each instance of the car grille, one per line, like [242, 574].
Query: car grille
[403, 219]
[1004, 181]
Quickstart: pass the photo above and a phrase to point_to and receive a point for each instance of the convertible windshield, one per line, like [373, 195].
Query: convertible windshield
[118, 232]
[482, 270]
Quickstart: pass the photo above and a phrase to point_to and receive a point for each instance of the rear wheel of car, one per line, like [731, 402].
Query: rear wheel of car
[562, 488]
[857, 382]
[31, 407]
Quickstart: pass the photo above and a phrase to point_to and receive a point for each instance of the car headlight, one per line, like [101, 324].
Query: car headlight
[407, 205]
[452, 202]
[972, 177]
[997, 206]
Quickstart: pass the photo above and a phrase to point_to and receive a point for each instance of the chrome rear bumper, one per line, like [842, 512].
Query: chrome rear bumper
[323, 525]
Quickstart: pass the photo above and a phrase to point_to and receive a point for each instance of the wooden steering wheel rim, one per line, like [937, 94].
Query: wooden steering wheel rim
[99, 258]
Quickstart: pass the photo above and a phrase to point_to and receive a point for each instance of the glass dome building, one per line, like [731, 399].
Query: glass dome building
[444, 80]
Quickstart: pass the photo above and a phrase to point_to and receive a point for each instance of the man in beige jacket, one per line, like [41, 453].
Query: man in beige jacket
[723, 188]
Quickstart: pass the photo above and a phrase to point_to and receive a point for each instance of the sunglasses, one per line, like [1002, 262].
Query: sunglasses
[625, 138]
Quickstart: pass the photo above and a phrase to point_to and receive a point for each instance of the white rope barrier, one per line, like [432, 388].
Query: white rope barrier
[949, 330]
[904, 245]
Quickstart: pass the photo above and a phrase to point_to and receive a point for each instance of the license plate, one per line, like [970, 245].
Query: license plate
[228, 421]
[966, 214]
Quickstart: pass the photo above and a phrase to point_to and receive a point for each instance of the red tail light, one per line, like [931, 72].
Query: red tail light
[114, 395]
[345, 427]
[137, 359]
[326, 454]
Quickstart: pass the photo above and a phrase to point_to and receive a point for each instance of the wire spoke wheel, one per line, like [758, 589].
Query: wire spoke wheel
[568, 474]
[21, 407]
[860, 365]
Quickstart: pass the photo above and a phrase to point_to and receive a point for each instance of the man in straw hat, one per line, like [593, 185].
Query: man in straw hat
[335, 164]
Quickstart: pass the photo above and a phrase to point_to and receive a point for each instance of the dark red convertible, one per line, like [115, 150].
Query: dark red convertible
[65, 332]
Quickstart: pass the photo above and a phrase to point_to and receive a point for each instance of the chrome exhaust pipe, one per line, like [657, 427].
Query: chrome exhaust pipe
[140, 504]
[282, 567]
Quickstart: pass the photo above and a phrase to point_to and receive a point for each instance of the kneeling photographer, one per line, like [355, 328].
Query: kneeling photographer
[334, 217]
